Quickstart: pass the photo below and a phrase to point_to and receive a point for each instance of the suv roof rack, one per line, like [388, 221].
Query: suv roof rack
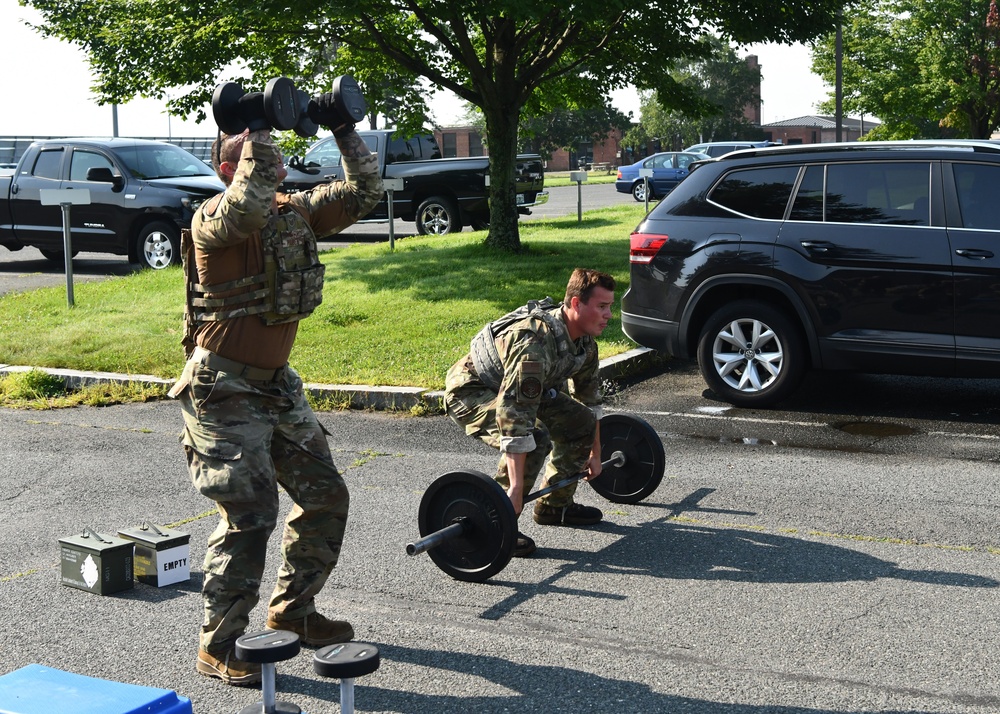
[977, 145]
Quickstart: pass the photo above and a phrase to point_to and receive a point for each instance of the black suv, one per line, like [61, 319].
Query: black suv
[871, 257]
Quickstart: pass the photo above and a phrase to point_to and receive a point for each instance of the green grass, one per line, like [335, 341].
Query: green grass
[392, 318]
[561, 178]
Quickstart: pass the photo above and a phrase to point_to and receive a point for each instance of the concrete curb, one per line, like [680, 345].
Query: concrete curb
[357, 396]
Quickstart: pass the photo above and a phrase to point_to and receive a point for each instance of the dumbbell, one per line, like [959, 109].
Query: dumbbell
[346, 662]
[267, 647]
[281, 106]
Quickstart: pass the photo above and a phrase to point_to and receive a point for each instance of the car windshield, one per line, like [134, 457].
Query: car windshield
[153, 161]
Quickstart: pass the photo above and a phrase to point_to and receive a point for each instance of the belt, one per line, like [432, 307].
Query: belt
[222, 364]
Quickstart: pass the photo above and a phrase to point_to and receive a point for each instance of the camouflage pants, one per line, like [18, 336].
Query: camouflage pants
[242, 439]
[564, 426]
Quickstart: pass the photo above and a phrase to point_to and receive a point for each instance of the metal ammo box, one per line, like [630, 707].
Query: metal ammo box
[161, 554]
[96, 563]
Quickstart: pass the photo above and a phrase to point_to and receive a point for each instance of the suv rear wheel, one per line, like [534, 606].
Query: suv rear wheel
[751, 354]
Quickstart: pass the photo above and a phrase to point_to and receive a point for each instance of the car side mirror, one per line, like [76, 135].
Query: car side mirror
[103, 174]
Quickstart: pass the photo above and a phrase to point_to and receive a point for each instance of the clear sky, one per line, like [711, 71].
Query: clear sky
[47, 85]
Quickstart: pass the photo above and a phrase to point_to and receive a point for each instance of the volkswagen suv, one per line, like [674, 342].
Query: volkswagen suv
[869, 257]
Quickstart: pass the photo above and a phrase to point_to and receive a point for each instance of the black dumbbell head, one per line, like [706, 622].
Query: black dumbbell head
[346, 661]
[349, 99]
[281, 103]
[225, 108]
[267, 646]
[305, 127]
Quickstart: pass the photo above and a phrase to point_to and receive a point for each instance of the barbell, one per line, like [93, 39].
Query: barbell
[467, 523]
[281, 106]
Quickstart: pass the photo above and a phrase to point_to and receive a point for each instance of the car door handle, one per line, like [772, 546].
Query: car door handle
[974, 253]
[817, 246]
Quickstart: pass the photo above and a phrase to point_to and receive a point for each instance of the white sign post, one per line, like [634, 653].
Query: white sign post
[579, 177]
[390, 186]
[64, 198]
[646, 175]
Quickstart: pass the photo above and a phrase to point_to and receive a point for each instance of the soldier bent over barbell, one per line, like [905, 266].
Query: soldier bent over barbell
[530, 385]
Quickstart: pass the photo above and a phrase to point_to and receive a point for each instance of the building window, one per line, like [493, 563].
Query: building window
[449, 145]
[475, 144]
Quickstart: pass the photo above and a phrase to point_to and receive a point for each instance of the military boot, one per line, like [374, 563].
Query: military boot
[314, 629]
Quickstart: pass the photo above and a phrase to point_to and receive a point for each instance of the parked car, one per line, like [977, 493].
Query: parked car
[669, 169]
[869, 257]
[142, 193]
[440, 195]
[720, 148]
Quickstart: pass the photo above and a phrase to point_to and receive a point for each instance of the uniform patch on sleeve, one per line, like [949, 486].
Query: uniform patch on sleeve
[529, 381]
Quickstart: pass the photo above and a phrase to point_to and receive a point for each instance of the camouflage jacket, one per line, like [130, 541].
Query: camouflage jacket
[539, 362]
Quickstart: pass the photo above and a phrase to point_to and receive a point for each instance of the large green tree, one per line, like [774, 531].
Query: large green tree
[925, 68]
[721, 86]
[494, 54]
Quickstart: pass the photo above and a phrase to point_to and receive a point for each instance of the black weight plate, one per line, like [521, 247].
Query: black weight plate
[267, 646]
[644, 460]
[346, 660]
[350, 100]
[488, 543]
[281, 103]
[225, 108]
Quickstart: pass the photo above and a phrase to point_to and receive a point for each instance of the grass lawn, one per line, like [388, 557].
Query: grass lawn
[392, 318]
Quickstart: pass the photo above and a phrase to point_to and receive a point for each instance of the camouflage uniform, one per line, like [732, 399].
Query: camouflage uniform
[248, 427]
[549, 400]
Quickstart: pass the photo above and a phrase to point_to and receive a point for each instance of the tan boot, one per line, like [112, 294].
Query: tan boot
[229, 669]
[314, 629]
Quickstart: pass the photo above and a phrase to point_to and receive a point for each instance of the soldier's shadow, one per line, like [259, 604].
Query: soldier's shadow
[676, 549]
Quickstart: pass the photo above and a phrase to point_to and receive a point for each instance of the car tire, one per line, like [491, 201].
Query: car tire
[639, 192]
[56, 256]
[438, 215]
[158, 245]
[751, 354]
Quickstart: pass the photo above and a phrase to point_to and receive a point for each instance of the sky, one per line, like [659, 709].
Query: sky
[50, 95]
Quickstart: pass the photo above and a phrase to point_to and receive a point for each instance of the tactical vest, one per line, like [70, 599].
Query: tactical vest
[486, 358]
[289, 289]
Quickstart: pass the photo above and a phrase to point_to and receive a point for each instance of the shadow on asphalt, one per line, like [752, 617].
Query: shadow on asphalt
[545, 688]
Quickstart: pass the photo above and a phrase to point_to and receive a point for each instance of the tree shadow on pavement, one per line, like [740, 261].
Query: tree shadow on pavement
[550, 689]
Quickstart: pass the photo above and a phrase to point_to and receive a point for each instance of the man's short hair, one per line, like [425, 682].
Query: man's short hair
[583, 281]
[226, 148]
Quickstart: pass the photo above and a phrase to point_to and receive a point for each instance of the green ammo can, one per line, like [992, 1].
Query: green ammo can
[96, 563]
[161, 554]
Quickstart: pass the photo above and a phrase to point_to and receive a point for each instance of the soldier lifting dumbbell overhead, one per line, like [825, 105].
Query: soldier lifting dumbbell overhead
[251, 273]
[532, 386]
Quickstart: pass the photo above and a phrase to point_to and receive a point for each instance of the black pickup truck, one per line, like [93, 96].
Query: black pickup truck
[141, 194]
[441, 195]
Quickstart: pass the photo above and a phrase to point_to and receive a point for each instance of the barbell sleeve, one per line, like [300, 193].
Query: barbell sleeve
[436, 538]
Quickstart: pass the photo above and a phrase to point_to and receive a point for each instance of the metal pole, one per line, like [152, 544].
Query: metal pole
[645, 196]
[392, 228]
[579, 201]
[67, 252]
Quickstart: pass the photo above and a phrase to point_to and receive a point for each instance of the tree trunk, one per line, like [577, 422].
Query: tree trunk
[501, 133]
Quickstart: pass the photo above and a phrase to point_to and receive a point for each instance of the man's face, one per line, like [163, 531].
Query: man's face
[593, 315]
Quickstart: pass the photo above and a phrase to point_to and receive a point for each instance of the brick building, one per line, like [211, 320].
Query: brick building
[817, 129]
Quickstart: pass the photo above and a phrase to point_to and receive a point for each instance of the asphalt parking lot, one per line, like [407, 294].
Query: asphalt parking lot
[784, 573]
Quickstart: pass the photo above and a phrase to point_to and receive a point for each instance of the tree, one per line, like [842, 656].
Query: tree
[495, 54]
[722, 85]
[925, 68]
[563, 128]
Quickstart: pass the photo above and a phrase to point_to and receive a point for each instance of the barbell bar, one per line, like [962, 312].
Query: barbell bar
[466, 520]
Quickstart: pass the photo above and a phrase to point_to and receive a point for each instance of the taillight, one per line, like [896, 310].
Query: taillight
[619, 174]
[643, 247]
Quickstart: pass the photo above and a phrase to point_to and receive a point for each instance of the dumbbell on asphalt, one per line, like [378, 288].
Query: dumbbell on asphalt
[467, 523]
[281, 106]
[345, 662]
[267, 647]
